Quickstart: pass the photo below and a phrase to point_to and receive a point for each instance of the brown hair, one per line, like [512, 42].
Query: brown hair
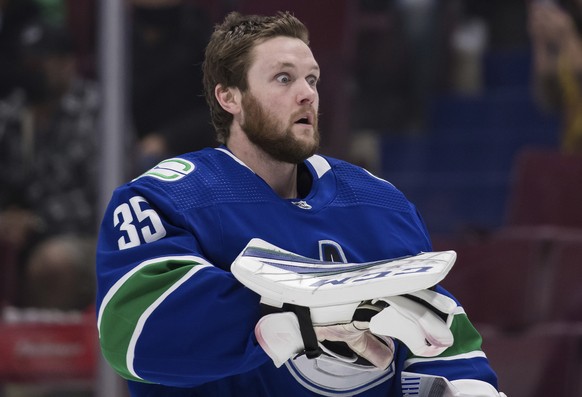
[228, 56]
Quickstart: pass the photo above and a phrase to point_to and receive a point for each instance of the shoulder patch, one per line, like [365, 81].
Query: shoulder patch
[170, 170]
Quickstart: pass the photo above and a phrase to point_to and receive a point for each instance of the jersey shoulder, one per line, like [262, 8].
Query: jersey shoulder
[357, 186]
[198, 179]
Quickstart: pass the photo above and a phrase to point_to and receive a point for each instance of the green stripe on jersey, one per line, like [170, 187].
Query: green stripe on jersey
[130, 302]
[467, 340]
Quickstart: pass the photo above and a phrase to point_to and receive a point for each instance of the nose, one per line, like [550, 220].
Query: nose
[307, 93]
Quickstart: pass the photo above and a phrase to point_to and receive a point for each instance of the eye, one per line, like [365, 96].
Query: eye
[283, 78]
[312, 80]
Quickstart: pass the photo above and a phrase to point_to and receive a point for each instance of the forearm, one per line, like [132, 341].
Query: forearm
[178, 321]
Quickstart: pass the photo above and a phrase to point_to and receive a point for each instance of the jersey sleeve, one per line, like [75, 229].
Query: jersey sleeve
[465, 359]
[165, 313]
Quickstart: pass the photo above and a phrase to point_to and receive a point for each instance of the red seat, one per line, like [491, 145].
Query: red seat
[497, 279]
[540, 362]
[546, 190]
[565, 278]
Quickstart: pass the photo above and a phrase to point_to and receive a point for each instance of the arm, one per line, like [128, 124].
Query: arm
[165, 313]
[463, 364]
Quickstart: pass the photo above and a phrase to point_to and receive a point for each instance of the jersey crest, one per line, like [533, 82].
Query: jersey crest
[170, 170]
[323, 375]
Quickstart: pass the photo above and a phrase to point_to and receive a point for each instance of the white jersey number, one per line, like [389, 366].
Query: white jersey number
[130, 216]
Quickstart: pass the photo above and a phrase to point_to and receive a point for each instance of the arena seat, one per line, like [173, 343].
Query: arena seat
[565, 277]
[498, 279]
[546, 189]
[539, 362]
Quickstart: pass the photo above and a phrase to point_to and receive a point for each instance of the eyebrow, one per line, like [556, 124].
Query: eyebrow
[292, 65]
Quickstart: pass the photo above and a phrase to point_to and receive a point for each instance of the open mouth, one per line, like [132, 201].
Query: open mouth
[305, 119]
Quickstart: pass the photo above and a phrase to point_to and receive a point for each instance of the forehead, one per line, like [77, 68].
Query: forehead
[282, 51]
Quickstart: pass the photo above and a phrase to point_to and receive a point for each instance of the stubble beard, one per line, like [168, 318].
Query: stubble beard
[263, 130]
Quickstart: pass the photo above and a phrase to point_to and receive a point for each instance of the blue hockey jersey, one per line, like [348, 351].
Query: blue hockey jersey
[174, 321]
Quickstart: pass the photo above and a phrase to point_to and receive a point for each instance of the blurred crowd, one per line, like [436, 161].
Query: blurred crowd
[48, 160]
[403, 52]
[50, 132]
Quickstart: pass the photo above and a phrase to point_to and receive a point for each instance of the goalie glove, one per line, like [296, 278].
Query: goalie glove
[356, 335]
[332, 292]
[281, 337]
[423, 385]
[475, 388]
[420, 320]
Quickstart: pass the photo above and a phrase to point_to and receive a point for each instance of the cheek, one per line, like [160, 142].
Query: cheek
[277, 109]
[277, 102]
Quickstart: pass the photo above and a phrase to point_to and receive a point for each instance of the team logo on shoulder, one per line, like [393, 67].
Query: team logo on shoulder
[302, 204]
[171, 170]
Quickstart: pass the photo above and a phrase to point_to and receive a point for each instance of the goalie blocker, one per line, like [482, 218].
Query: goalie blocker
[388, 298]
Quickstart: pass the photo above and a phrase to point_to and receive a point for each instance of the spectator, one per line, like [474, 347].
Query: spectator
[557, 46]
[48, 147]
[66, 261]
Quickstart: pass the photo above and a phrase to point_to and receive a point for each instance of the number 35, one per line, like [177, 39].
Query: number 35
[130, 216]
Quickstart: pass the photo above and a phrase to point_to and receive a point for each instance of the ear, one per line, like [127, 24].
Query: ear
[229, 98]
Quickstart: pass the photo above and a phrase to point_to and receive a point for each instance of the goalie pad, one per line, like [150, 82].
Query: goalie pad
[280, 277]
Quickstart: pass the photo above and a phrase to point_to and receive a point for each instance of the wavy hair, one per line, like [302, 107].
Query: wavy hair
[228, 56]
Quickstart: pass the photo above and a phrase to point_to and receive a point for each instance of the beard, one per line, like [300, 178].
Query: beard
[279, 142]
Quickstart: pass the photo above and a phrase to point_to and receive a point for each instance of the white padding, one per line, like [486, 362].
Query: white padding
[279, 336]
[475, 388]
[419, 328]
[439, 301]
[280, 276]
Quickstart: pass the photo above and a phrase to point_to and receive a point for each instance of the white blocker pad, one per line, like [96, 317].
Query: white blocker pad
[280, 277]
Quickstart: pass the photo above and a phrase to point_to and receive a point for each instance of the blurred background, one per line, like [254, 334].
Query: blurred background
[472, 108]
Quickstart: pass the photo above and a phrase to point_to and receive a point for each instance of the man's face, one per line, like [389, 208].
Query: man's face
[279, 109]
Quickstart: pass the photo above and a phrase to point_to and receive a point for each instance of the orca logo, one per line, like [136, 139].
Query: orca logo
[326, 376]
[171, 170]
